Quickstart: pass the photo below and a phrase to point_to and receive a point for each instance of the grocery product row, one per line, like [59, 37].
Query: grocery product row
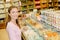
[38, 30]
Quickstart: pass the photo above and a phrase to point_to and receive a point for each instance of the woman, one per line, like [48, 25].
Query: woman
[12, 26]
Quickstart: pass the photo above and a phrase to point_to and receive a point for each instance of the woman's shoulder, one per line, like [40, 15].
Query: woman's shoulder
[9, 25]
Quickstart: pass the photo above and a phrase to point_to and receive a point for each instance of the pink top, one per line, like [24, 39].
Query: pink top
[13, 31]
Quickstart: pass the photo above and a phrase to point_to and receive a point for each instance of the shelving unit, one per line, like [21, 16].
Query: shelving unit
[51, 17]
[30, 5]
[59, 4]
[2, 14]
[4, 5]
[26, 6]
[50, 4]
[55, 4]
[1, 8]
[37, 4]
[44, 4]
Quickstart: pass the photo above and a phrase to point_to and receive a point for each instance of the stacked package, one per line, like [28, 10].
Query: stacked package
[51, 17]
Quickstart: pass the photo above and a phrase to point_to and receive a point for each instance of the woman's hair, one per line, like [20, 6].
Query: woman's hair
[11, 7]
[9, 18]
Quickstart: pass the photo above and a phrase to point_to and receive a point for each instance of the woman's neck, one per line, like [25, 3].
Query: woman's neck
[14, 21]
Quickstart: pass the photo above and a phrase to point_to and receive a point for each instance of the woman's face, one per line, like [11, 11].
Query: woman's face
[14, 13]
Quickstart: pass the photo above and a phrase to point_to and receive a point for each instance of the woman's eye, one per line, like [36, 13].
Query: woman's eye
[15, 12]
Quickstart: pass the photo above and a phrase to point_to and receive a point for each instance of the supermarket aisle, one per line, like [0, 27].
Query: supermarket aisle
[44, 26]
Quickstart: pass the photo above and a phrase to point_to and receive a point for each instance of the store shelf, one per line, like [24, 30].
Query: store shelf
[38, 7]
[1, 20]
[24, 11]
[2, 15]
[16, 4]
[15, 0]
[1, 2]
[1, 5]
[30, 10]
[2, 11]
[7, 4]
[30, 7]
[43, 1]
[44, 5]
[23, 2]
[55, 1]
[51, 18]
[23, 5]
[30, 2]
[50, 0]
[37, 2]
